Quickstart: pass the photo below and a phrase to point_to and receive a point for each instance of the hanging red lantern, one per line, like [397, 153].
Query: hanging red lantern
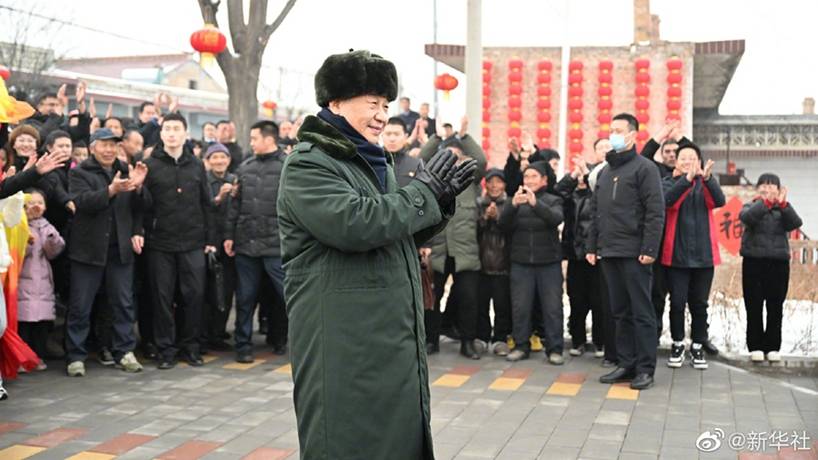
[604, 91]
[544, 66]
[606, 78]
[515, 75]
[642, 118]
[445, 82]
[674, 105]
[575, 78]
[486, 78]
[544, 117]
[209, 42]
[643, 77]
[487, 65]
[604, 118]
[543, 133]
[673, 117]
[575, 147]
[642, 135]
[603, 134]
[543, 79]
[674, 91]
[575, 91]
[575, 134]
[486, 90]
[605, 66]
[674, 78]
[515, 115]
[575, 66]
[642, 91]
[515, 64]
[5, 73]
[515, 102]
[486, 103]
[543, 103]
[674, 64]
[604, 104]
[543, 91]
[269, 105]
[514, 132]
[575, 117]
[642, 64]
[486, 131]
[575, 104]
[486, 145]
[642, 104]
[486, 117]
[515, 88]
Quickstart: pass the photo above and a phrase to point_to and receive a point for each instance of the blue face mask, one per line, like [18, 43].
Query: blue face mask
[617, 142]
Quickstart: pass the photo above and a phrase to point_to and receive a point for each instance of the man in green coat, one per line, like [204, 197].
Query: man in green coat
[349, 239]
[456, 252]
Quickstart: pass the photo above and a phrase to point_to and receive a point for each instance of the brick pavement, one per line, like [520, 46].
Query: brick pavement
[480, 409]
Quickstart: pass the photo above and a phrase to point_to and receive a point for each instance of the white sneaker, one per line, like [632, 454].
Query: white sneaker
[599, 353]
[577, 351]
[556, 359]
[41, 366]
[773, 356]
[500, 348]
[756, 356]
[128, 363]
[76, 369]
[3, 393]
[480, 346]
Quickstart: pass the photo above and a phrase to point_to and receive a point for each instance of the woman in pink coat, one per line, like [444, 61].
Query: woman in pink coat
[36, 285]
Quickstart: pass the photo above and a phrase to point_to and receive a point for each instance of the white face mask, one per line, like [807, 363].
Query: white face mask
[618, 142]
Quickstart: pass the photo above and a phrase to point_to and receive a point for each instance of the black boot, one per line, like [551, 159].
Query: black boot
[642, 382]
[467, 349]
[619, 374]
[709, 348]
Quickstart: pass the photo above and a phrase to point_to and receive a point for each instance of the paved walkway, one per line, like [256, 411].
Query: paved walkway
[480, 409]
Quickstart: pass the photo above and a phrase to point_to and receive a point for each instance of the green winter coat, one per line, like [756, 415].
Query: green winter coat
[460, 238]
[354, 301]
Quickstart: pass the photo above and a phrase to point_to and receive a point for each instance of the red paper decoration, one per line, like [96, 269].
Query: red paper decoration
[544, 103]
[642, 102]
[515, 88]
[674, 90]
[544, 66]
[514, 102]
[515, 63]
[515, 115]
[544, 117]
[605, 93]
[543, 91]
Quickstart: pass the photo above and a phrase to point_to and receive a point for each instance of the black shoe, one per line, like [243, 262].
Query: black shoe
[467, 349]
[194, 359]
[642, 382]
[432, 348]
[697, 359]
[709, 348]
[105, 357]
[225, 336]
[262, 326]
[451, 332]
[608, 363]
[149, 351]
[166, 364]
[618, 375]
[219, 345]
[280, 349]
[244, 357]
[677, 356]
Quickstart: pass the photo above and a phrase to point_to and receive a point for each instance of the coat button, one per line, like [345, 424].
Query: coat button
[418, 200]
[420, 213]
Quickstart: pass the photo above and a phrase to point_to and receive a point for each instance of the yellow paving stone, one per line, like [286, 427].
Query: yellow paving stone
[622, 392]
[564, 389]
[19, 452]
[285, 369]
[209, 358]
[506, 384]
[451, 380]
[244, 366]
[91, 456]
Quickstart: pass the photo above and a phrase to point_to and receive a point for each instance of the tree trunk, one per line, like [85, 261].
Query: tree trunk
[243, 102]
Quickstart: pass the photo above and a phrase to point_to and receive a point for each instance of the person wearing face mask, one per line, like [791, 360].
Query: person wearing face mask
[349, 241]
[628, 211]
[765, 267]
[690, 249]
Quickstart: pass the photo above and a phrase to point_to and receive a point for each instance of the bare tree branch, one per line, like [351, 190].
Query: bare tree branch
[209, 9]
[238, 29]
[270, 28]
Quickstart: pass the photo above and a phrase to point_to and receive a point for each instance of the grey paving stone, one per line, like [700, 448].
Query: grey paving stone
[600, 449]
[559, 453]
[566, 437]
[601, 432]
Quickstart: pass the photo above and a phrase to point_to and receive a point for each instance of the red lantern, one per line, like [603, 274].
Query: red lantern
[515, 76]
[209, 42]
[486, 78]
[486, 145]
[543, 103]
[486, 103]
[543, 133]
[515, 102]
[486, 117]
[642, 104]
[604, 118]
[5, 73]
[603, 134]
[575, 91]
[575, 104]
[642, 118]
[486, 132]
[674, 78]
[673, 117]
[674, 91]
[642, 91]
[515, 115]
[446, 82]
[544, 66]
[575, 134]
[575, 117]
[604, 91]
[642, 64]
[514, 132]
[605, 105]
[643, 77]
[487, 65]
[543, 79]
[575, 66]
[575, 147]
[486, 90]
[674, 105]
[605, 78]
[606, 65]
[515, 89]
[544, 117]
[543, 91]
[575, 78]
[674, 64]
[269, 105]
[515, 64]
[642, 135]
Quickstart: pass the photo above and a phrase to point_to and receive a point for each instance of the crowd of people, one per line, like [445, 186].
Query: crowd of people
[141, 240]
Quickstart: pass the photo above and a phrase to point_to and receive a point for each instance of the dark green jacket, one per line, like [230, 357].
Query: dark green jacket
[460, 238]
[354, 301]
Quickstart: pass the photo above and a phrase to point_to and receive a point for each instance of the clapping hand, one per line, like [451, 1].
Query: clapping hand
[708, 170]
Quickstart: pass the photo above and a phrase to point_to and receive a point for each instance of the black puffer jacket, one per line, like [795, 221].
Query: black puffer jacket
[493, 240]
[578, 216]
[180, 218]
[766, 226]
[535, 238]
[252, 222]
[690, 233]
[215, 183]
[628, 208]
[406, 167]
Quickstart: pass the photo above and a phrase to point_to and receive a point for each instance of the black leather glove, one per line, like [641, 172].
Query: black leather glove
[438, 174]
[463, 176]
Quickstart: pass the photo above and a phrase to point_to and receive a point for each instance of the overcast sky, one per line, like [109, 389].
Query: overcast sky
[777, 71]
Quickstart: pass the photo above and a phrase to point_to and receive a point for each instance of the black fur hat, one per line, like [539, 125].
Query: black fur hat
[356, 73]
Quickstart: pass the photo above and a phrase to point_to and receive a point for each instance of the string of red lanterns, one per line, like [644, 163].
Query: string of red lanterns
[642, 103]
[575, 92]
[515, 102]
[487, 66]
[544, 68]
[674, 90]
[605, 103]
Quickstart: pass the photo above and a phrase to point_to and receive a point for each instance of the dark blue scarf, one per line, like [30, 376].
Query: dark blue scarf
[372, 153]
